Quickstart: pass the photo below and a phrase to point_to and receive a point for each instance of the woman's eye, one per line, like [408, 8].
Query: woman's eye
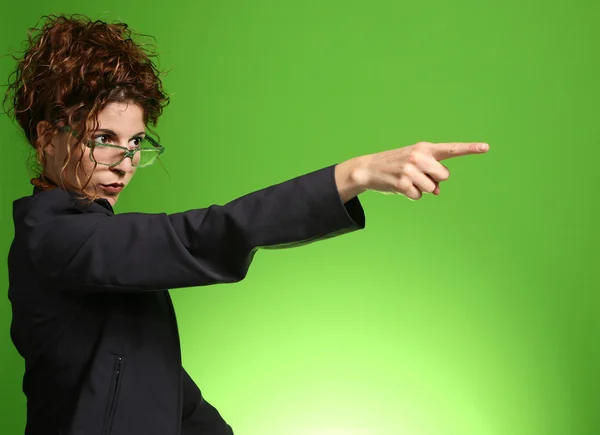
[101, 139]
[137, 142]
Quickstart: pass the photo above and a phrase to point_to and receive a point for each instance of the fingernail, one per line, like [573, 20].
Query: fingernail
[482, 147]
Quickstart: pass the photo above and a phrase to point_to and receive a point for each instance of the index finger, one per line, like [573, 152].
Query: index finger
[443, 151]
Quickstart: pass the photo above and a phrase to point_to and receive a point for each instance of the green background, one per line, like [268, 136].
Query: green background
[472, 313]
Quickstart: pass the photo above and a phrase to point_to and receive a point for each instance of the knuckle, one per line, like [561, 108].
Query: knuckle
[407, 170]
[414, 157]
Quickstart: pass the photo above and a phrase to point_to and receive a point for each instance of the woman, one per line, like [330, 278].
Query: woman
[92, 316]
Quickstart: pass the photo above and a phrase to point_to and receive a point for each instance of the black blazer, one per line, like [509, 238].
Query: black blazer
[91, 314]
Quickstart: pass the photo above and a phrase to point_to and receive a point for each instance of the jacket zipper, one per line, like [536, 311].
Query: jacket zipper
[118, 374]
[178, 341]
[113, 400]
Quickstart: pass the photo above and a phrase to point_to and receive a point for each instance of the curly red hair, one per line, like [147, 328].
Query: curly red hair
[71, 69]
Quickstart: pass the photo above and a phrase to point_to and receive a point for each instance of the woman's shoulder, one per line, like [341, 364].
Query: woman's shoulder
[54, 202]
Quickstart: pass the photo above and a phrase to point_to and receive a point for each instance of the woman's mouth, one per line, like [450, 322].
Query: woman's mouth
[113, 188]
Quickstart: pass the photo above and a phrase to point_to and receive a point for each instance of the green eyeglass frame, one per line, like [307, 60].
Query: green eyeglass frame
[127, 153]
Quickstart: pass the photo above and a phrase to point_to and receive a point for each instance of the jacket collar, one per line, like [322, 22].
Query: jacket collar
[43, 184]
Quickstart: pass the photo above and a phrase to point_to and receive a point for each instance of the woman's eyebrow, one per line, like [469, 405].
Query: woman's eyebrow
[112, 133]
[106, 130]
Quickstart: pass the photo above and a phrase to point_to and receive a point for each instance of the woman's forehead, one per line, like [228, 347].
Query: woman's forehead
[122, 118]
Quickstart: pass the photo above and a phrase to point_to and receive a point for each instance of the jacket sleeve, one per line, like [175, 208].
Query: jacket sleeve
[95, 251]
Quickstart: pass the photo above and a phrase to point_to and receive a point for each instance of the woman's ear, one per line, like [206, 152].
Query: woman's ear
[44, 137]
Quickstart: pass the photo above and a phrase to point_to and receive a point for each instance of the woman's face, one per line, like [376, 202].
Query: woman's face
[119, 123]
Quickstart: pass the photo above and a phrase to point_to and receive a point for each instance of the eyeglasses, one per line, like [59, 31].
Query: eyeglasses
[144, 155]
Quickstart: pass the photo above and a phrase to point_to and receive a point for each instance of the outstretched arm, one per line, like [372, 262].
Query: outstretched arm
[85, 248]
[94, 250]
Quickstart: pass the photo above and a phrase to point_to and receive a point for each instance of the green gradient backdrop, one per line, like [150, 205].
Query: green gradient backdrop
[474, 313]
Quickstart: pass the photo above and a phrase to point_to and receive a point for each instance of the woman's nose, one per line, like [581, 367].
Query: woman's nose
[124, 167]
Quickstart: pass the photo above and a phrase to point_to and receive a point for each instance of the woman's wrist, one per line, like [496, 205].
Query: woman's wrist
[350, 183]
